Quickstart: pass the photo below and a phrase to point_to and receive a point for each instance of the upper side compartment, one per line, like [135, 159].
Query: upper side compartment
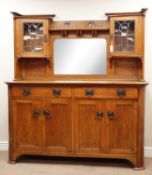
[127, 34]
[31, 35]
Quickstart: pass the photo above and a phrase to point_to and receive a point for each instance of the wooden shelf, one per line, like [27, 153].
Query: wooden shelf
[33, 58]
[126, 56]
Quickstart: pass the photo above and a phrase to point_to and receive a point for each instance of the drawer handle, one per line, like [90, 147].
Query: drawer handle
[121, 92]
[99, 115]
[89, 92]
[47, 113]
[36, 113]
[111, 115]
[56, 92]
[26, 91]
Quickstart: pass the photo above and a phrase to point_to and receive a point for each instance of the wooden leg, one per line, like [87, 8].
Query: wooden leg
[12, 162]
[12, 158]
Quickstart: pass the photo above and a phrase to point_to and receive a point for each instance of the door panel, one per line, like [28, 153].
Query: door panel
[58, 126]
[89, 127]
[124, 35]
[27, 124]
[122, 126]
[31, 40]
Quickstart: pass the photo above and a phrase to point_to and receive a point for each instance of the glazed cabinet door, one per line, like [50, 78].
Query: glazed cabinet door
[27, 127]
[126, 36]
[122, 122]
[31, 38]
[57, 125]
[90, 127]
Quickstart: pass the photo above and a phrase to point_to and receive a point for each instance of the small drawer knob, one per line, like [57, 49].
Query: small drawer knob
[56, 92]
[47, 113]
[89, 92]
[26, 91]
[121, 92]
[36, 113]
[99, 115]
[111, 115]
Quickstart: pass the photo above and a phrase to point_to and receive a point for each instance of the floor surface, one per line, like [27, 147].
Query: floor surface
[61, 166]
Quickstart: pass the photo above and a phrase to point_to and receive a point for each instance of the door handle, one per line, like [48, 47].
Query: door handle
[56, 92]
[121, 92]
[36, 113]
[26, 91]
[99, 115]
[111, 115]
[47, 113]
[89, 92]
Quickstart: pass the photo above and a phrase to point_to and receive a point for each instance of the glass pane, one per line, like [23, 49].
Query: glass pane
[80, 56]
[33, 37]
[124, 36]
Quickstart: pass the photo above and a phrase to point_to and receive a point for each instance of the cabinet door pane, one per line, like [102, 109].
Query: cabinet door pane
[89, 126]
[122, 121]
[33, 37]
[58, 125]
[124, 36]
[27, 124]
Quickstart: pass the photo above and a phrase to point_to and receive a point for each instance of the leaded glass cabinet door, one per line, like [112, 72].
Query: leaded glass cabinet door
[124, 35]
[32, 38]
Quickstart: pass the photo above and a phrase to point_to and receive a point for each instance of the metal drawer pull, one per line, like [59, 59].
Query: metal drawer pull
[26, 91]
[121, 92]
[89, 92]
[36, 113]
[99, 115]
[56, 92]
[47, 113]
[111, 115]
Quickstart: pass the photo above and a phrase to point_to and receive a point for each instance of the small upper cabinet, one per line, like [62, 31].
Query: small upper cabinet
[32, 37]
[125, 35]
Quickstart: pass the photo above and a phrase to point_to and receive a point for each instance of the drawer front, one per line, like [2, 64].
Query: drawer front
[18, 91]
[130, 93]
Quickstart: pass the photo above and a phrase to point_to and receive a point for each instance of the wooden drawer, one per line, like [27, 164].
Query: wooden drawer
[130, 93]
[18, 91]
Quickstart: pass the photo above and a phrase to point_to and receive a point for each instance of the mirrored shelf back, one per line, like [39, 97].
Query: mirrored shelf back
[95, 49]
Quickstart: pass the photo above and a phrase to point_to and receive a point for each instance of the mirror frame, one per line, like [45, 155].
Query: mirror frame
[84, 36]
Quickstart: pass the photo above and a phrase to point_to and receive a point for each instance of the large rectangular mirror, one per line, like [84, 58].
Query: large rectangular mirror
[80, 56]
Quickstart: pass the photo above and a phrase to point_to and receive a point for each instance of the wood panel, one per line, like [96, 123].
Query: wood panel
[20, 53]
[41, 91]
[89, 128]
[57, 130]
[130, 93]
[27, 127]
[122, 128]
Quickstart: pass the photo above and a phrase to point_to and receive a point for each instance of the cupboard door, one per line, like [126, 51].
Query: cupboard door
[122, 122]
[90, 127]
[27, 128]
[57, 126]
[125, 36]
[32, 37]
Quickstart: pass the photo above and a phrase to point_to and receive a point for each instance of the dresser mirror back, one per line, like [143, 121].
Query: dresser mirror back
[105, 49]
[79, 87]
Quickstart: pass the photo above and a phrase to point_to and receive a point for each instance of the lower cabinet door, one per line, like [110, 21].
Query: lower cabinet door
[90, 127]
[27, 128]
[57, 126]
[122, 122]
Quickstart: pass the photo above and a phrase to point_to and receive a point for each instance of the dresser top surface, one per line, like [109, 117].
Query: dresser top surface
[80, 82]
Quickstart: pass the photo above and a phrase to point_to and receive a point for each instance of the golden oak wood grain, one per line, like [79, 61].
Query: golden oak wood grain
[81, 115]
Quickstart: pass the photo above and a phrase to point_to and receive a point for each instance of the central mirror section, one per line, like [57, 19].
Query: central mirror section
[80, 56]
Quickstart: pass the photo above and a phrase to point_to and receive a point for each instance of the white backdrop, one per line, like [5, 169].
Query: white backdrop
[67, 10]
